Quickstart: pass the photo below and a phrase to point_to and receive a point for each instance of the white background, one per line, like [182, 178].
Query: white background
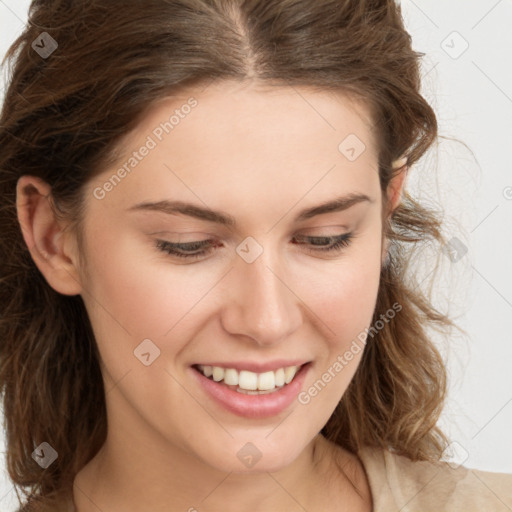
[470, 179]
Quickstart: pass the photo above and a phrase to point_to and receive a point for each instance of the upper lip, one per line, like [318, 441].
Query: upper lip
[256, 367]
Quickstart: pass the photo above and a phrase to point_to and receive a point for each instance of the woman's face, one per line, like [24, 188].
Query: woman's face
[261, 296]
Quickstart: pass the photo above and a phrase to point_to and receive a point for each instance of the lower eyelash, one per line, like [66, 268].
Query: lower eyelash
[340, 242]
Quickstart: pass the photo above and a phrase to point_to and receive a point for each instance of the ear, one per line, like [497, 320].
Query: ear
[52, 249]
[397, 184]
[394, 192]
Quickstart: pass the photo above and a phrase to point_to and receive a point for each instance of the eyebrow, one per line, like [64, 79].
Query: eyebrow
[180, 207]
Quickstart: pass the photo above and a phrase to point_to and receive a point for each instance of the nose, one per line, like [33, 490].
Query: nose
[261, 302]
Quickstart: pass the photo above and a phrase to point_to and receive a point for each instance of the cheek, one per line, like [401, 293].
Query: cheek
[344, 294]
[345, 304]
[134, 293]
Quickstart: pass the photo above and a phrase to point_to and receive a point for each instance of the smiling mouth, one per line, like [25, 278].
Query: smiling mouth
[248, 382]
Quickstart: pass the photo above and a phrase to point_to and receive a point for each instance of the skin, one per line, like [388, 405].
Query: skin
[260, 155]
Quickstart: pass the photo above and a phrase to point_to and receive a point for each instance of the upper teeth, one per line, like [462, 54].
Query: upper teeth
[250, 380]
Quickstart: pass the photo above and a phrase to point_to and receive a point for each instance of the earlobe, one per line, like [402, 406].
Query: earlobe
[45, 236]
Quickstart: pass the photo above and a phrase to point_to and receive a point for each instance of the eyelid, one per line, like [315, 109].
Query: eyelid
[338, 243]
[205, 239]
[202, 235]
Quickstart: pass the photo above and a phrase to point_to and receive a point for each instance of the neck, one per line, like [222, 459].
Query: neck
[144, 478]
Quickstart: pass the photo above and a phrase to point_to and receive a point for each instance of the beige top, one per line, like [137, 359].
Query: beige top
[400, 485]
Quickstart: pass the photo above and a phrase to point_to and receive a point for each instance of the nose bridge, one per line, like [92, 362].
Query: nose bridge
[262, 306]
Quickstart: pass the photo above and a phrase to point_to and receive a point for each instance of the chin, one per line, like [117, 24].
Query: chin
[258, 455]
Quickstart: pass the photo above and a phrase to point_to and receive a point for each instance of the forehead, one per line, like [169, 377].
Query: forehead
[241, 138]
[256, 112]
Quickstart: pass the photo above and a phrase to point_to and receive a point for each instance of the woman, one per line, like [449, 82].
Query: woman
[205, 303]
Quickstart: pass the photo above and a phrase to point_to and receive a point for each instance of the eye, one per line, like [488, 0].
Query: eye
[186, 250]
[200, 248]
[328, 243]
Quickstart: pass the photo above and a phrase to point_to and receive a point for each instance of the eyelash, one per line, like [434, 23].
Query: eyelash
[339, 242]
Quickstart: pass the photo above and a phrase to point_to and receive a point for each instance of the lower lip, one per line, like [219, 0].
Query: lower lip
[253, 406]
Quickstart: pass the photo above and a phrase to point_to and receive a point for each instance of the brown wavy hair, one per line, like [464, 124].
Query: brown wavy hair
[62, 119]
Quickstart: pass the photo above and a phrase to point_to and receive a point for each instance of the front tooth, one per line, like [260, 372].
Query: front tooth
[266, 381]
[218, 373]
[289, 373]
[207, 370]
[231, 377]
[248, 380]
[279, 377]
